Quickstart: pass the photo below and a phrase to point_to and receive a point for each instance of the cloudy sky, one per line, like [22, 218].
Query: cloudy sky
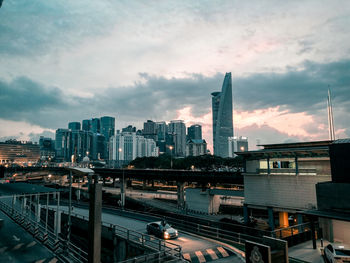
[63, 61]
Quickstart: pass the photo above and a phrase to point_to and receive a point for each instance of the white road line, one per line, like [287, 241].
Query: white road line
[54, 260]
[212, 254]
[33, 243]
[187, 256]
[18, 246]
[40, 261]
[200, 256]
[2, 250]
[223, 252]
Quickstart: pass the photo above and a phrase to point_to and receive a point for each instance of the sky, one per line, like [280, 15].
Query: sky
[63, 61]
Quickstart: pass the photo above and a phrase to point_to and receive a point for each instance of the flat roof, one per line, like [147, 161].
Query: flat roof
[331, 214]
[24, 188]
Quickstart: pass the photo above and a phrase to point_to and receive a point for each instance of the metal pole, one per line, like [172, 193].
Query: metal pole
[69, 208]
[57, 214]
[47, 211]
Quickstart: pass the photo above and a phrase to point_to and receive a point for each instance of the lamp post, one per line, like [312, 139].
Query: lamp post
[122, 186]
[171, 156]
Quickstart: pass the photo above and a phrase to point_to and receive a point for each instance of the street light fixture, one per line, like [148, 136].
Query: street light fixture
[171, 156]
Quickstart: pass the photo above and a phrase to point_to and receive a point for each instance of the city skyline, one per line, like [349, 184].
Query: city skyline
[161, 62]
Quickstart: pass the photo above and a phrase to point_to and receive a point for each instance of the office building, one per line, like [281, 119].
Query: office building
[107, 130]
[74, 126]
[130, 128]
[194, 132]
[196, 147]
[162, 130]
[177, 130]
[222, 117]
[237, 144]
[96, 125]
[87, 125]
[20, 153]
[47, 148]
[62, 145]
[150, 130]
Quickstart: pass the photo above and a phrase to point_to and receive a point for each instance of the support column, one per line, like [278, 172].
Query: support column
[37, 208]
[24, 204]
[122, 191]
[271, 218]
[283, 218]
[313, 233]
[268, 166]
[246, 214]
[95, 211]
[296, 166]
[300, 221]
[180, 195]
[58, 216]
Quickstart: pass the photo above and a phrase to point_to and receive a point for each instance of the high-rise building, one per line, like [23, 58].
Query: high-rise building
[161, 136]
[150, 130]
[87, 125]
[74, 126]
[107, 130]
[177, 129]
[130, 128]
[194, 132]
[222, 117]
[237, 144]
[62, 144]
[96, 125]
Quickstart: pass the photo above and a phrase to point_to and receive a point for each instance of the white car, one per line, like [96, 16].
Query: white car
[162, 229]
[337, 254]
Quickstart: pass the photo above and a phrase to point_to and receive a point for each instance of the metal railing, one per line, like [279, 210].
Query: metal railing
[66, 252]
[288, 171]
[291, 230]
[165, 248]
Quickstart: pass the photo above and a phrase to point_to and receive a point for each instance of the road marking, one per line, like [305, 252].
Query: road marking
[2, 250]
[223, 252]
[187, 256]
[200, 256]
[212, 254]
[31, 244]
[54, 260]
[18, 246]
[40, 261]
[182, 239]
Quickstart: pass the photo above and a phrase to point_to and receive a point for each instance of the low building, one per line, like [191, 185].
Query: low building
[281, 180]
[196, 147]
[20, 153]
[237, 144]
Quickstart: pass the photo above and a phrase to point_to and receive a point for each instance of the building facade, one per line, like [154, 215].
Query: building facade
[237, 144]
[194, 132]
[20, 153]
[177, 129]
[222, 117]
[196, 147]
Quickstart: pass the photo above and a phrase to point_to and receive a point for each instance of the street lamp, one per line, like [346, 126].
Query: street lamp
[171, 156]
[122, 186]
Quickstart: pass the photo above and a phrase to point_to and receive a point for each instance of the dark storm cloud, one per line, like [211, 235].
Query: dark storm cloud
[298, 90]
[23, 98]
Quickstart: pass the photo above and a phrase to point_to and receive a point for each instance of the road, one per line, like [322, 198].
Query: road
[196, 248]
[18, 246]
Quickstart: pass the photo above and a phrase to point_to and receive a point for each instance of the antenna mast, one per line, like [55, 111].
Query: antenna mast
[330, 116]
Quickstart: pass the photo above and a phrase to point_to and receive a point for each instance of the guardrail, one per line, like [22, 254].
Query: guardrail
[66, 252]
[165, 248]
[288, 171]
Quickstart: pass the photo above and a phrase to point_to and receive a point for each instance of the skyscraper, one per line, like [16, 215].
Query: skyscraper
[194, 132]
[222, 117]
[74, 126]
[177, 129]
[150, 130]
[87, 125]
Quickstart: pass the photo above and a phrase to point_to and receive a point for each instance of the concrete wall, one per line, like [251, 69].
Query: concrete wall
[201, 201]
[341, 231]
[252, 165]
[333, 196]
[322, 165]
[284, 191]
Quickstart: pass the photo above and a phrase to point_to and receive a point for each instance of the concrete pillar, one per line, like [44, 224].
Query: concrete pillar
[300, 221]
[283, 219]
[94, 255]
[180, 195]
[78, 191]
[24, 204]
[268, 165]
[296, 166]
[271, 218]
[57, 223]
[114, 182]
[122, 191]
[37, 212]
[245, 214]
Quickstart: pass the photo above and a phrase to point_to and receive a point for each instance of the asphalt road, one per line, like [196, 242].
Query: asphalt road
[18, 246]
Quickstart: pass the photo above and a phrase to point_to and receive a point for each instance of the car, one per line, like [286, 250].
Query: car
[337, 254]
[162, 229]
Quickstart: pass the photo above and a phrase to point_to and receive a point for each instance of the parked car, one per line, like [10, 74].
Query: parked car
[336, 254]
[162, 229]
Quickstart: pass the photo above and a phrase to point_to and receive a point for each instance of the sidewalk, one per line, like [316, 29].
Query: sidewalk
[305, 252]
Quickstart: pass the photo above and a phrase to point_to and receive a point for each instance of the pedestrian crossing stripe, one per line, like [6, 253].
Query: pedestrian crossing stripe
[207, 255]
